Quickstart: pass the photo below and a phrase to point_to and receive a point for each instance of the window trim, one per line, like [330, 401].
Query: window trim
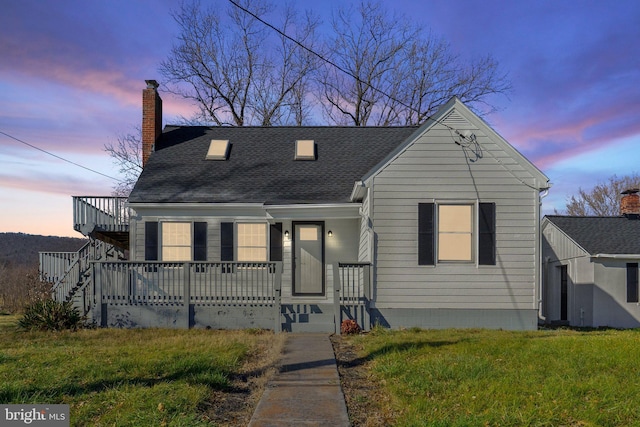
[236, 241]
[474, 235]
[161, 245]
[483, 240]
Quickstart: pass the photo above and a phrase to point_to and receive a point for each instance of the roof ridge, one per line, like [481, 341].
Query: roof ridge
[294, 127]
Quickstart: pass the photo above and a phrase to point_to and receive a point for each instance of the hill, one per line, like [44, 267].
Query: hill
[22, 249]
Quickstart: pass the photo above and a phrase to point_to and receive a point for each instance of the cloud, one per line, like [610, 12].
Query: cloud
[52, 183]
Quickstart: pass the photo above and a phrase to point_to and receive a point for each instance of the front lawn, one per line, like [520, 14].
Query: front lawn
[495, 378]
[138, 377]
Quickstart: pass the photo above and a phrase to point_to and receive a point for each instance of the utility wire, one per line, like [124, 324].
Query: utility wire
[347, 72]
[58, 157]
[333, 64]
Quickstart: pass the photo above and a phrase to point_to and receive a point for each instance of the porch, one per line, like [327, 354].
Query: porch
[217, 295]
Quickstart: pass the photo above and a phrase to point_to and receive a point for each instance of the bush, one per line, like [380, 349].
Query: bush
[349, 327]
[19, 287]
[51, 315]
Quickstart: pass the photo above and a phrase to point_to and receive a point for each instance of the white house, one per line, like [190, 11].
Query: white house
[433, 226]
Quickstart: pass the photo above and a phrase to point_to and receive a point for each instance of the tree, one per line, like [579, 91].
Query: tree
[126, 153]
[603, 199]
[395, 73]
[238, 71]
[381, 69]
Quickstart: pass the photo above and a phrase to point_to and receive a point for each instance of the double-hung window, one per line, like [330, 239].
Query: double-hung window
[252, 241]
[456, 233]
[175, 241]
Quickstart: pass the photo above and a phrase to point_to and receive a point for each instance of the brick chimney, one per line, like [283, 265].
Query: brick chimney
[151, 118]
[630, 203]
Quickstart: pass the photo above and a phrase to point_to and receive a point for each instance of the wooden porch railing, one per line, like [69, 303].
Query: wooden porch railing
[54, 265]
[352, 293]
[198, 283]
[108, 213]
[69, 271]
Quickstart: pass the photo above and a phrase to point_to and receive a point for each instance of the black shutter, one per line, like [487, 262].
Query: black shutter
[632, 282]
[275, 242]
[226, 241]
[425, 234]
[199, 241]
[487, 234]
[151, 241]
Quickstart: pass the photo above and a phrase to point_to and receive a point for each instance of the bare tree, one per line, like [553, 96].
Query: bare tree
[238, 71]
[395, 74]
[603, 199]
[126, 153]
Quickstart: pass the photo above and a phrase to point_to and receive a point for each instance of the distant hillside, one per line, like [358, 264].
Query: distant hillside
[22, 249]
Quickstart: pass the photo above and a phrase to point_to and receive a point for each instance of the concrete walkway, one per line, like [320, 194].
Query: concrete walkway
[306, 391]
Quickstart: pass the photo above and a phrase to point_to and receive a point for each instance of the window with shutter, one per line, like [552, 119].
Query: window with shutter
[199, 241]
[425, 234]
[226, 241]
[151, 241]
[275, 242]
[632, 282]
[446, 233]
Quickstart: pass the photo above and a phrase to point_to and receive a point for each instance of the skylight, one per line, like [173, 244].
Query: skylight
[218, 149]
[305, 149]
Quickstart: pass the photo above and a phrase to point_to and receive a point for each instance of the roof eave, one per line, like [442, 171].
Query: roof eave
[616, 256]
[358, 192]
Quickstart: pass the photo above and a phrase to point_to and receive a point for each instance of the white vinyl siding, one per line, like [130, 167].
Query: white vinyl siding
[434, 169]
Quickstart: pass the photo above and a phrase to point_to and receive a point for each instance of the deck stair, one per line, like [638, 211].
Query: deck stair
[70, 272]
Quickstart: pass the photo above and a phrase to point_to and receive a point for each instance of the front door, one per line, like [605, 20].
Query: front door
[308, 258]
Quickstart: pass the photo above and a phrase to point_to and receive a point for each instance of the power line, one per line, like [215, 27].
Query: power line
[347, 72]
[333, 64]
[58, 157]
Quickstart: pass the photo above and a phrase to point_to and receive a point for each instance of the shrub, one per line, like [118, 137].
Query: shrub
[349, 327]
[51, 315]
[21, 286]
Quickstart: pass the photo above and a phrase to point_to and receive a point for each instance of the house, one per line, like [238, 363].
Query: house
[591, 268]
[297, 228]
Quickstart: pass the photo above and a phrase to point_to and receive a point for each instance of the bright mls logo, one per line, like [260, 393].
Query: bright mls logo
[37, 415]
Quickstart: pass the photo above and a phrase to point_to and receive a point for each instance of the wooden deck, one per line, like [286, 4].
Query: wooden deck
[103, 218]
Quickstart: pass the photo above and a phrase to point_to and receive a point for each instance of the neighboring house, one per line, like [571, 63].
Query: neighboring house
[591, 268]
[297, 228]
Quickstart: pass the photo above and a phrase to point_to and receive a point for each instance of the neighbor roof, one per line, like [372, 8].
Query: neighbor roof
[601, 235]
[261, 167]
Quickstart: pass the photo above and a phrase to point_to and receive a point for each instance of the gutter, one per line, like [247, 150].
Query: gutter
[616, 256]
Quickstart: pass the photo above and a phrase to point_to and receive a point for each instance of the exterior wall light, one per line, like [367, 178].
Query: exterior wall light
[330, 233]
[286, 234]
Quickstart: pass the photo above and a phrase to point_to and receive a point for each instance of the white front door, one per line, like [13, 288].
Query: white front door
[308, 258]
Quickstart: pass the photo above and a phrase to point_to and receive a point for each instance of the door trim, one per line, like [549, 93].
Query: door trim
[293, 259]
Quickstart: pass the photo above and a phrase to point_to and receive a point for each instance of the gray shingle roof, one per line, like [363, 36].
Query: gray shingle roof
[261, 166]
[601, 235]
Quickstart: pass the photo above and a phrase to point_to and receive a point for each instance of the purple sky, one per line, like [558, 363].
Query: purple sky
[72, 72]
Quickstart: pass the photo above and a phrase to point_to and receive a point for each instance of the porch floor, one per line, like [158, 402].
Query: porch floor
[307, 389]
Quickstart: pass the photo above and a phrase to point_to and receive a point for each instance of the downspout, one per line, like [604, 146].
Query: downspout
[541, 265]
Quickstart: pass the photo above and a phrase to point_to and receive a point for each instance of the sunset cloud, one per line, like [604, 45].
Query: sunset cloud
[72, 73]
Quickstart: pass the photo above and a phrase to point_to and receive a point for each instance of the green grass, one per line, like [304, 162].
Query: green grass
[123, 377]
[500, 378]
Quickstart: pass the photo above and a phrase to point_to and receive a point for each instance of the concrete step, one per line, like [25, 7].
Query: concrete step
[307, 318]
